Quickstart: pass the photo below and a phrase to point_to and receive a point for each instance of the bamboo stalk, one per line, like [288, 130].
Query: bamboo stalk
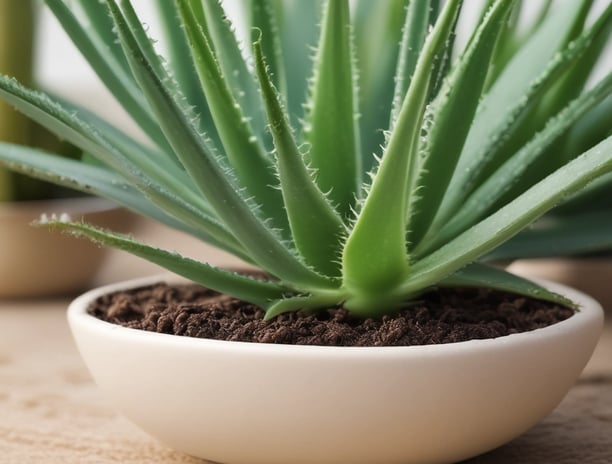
[16, 46]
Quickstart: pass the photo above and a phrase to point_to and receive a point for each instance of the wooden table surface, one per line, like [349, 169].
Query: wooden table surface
[51, 412]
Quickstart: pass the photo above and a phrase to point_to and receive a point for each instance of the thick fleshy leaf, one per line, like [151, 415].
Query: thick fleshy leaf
[566, 87]
[593, 127]
[298, 25]
[109, 68]
[264, 23]
[259, 292]
[509, 180]
[220, 33]
[502, 225]
[303, 303]
[567, 235]
[245, 152]
[316, 227]
[517, 33]
[99, 19]
[211, 177]
[414, 32]
[481, 275]
[181, 63]
[331, 122]
[518, 96]
[102, 182]
[451, 115]
[375, 257]
[376, 61]
[161, 182]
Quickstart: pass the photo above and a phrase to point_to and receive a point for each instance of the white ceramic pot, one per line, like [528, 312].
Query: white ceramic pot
[37, 262]
[234, 402]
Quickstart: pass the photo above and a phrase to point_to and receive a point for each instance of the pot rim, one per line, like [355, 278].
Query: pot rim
[588, 310]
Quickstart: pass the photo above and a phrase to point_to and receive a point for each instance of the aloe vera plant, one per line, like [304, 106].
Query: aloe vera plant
[387, 162]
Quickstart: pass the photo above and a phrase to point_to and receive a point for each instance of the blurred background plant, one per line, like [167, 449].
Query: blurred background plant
[18, 28]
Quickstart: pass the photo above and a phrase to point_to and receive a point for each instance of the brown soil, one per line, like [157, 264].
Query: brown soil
[443, 316]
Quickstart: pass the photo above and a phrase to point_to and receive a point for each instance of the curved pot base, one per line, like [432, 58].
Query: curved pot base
[244, 403]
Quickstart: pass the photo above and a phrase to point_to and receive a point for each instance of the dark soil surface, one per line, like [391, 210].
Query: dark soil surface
[443, 316]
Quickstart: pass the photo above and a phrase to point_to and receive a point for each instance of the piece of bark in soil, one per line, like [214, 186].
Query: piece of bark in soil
[442, 316]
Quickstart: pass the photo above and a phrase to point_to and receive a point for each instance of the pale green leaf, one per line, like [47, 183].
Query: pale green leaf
[452, 113]
[158, 180]
[518, 93]
[483, 276]
[581, 233]
[502, 225]
[315, 226]
[331, 125]
[376, 62]
[102, 182]
[508, 180]
[249, 289]
[219, 31]
[245, 152]
[414, 32]
[298, 25]
[210, 176]
[375, 256]
[109, 68]
[264, 23]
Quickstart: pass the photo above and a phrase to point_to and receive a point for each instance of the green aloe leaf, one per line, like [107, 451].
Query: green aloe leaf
[509, 179]
[567, 86]
[452, 113]
[414, 32]
[264, 23]
[442, 64]
[245, 152]
[580, 233]
[575, 79]
[515, 35]
[376, 61]
[331, 125]
[141, 170]
[481, 275]
[219, 31]
[518, 91]
[379, 235]
[180, 61]
[258, 292]
[303, 303]
[298, 25]
[315, 226]
[211, 177]
[150, 159]
[100, 181]
[502, 225]
[98, 17]
[109, 68]
[594, 126]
